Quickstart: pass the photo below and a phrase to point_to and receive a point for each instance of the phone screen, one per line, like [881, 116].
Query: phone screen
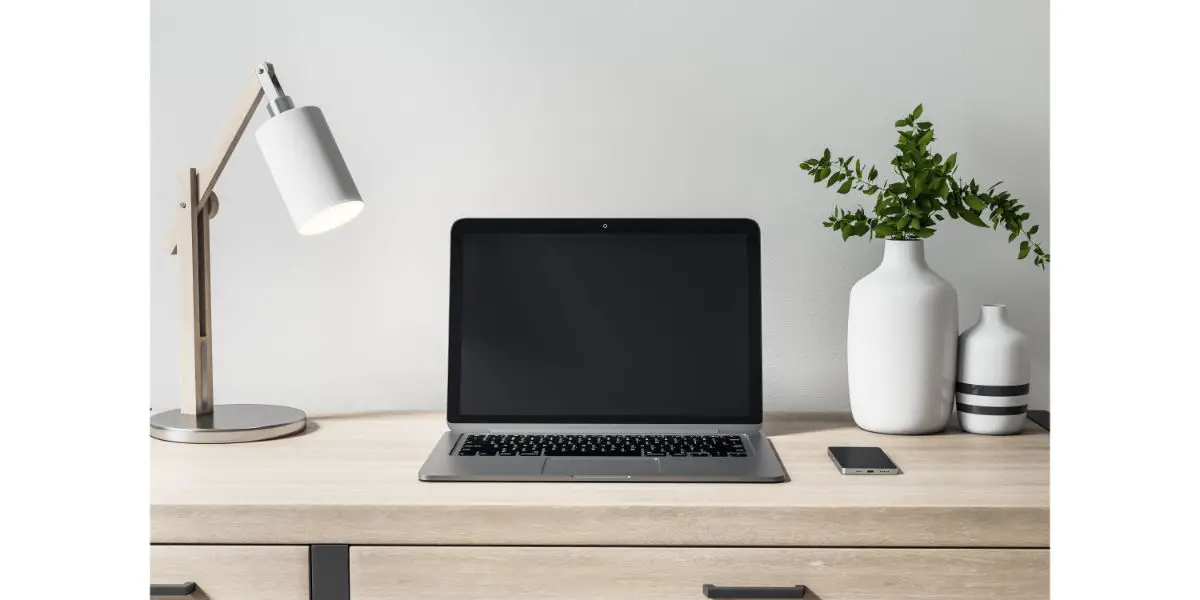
[861, 457]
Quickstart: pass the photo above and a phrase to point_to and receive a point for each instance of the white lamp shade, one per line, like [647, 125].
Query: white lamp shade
[309, 170]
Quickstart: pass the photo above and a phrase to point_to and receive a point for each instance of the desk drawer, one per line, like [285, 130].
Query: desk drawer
[234, 572]
[543, 573]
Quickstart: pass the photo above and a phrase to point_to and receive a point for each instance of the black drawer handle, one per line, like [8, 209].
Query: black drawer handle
[720, 591]
[172, 589]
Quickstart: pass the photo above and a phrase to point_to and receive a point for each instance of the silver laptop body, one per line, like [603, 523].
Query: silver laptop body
[491, 357]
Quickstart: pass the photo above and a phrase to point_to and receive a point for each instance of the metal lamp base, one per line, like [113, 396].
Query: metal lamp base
[228, 424]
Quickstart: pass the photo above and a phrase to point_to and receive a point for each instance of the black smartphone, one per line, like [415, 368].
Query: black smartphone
[862, 460]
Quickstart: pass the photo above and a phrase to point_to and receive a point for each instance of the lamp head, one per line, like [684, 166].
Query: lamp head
[305, 162]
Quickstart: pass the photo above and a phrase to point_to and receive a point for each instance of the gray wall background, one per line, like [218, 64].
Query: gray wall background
[600, 108]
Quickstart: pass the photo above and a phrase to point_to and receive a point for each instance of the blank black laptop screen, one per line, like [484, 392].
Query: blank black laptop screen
[633, 322]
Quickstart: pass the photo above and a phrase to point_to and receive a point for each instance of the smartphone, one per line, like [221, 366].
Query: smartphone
[862, 460]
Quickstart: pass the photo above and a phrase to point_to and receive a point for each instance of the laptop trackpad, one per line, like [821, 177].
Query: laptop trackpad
[600, 467]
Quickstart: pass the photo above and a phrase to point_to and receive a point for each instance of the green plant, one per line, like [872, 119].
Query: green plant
[926, 193]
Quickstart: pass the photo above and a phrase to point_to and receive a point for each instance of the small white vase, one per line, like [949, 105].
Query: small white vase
[901, 344]
[993, 375]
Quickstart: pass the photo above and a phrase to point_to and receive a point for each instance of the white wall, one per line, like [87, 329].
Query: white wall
[609, 108]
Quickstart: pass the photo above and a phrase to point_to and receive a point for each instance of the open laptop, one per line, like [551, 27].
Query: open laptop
[604, 350]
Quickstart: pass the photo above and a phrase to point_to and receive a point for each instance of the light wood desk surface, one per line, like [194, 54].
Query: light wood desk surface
[352, 480]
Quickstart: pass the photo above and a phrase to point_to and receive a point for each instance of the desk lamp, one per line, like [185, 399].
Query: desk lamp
[320, 195]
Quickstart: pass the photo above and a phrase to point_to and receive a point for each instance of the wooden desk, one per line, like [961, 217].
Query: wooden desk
[968, 518]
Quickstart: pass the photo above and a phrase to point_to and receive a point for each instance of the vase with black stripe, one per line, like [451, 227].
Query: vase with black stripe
[993, 375]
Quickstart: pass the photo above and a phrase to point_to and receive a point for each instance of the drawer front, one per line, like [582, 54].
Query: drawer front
[234, 572]
[543, 573]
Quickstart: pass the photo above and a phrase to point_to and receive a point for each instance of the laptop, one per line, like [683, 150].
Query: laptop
[604, 350]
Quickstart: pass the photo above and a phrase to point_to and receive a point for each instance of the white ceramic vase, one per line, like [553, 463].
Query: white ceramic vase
[993, 375]
[902, 344]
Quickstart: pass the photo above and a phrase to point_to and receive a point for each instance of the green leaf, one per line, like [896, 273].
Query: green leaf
[1024, 250]
[836, 177]
[1012, 236]
[858, 168]
[972, 218]
[822, 173]
[825, 157]
[925, 232]
[1033, 230]
[924, 124]
[861, 228]
[871, 190]
[943, 189]
[975, 203]
[902, 222]
[896, 188]
[871, 176]
[916, 113]
[950, 162]
[901, 123]
[845, 188]
[928, 137]
[882, 231]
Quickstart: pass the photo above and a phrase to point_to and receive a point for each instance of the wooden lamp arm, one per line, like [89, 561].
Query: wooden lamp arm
[189, 241]
[230, 135]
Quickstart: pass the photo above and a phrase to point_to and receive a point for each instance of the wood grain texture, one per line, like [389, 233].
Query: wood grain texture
[352, 480]
[234, 572]
[462, 573]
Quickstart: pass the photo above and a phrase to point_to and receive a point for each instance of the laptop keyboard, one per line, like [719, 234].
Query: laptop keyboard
[602, 445]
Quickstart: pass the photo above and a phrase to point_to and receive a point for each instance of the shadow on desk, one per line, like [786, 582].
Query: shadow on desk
[310, 428]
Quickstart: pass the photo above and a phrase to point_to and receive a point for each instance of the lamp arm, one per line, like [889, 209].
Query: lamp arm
[265, 84]
[228, 139]
[190, 243]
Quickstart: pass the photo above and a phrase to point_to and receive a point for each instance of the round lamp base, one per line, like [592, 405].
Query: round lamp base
[228, 424]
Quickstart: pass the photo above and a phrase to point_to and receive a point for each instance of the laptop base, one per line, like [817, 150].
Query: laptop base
[761, 466]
